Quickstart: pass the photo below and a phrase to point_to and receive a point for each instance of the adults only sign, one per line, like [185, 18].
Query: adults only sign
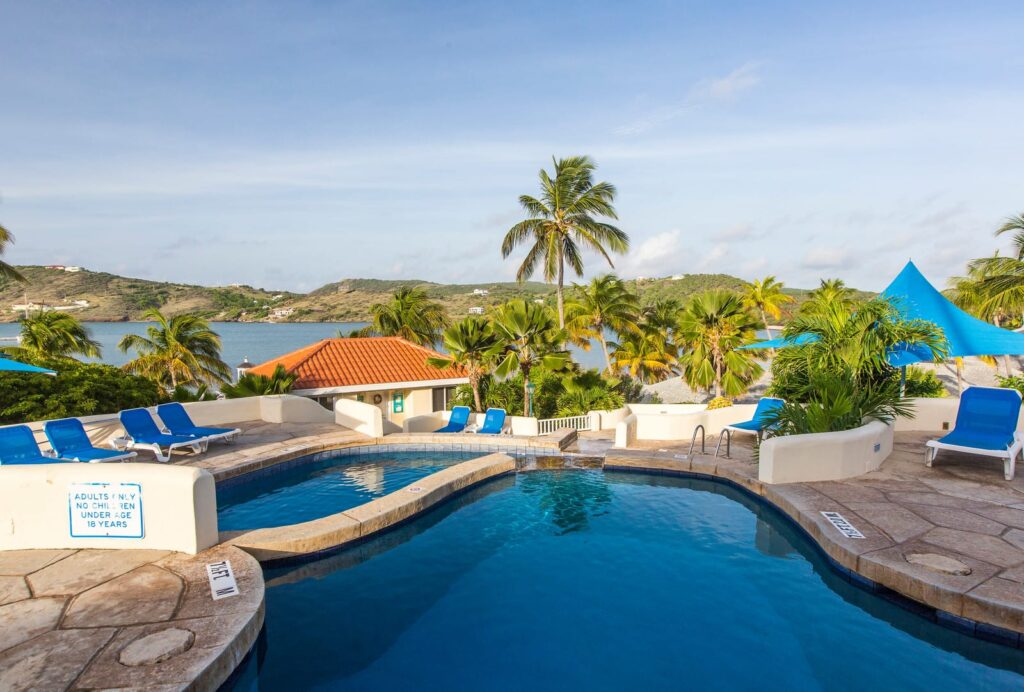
[105, 510]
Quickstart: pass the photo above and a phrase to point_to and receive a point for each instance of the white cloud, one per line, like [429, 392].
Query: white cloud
[742, 231]
[826, 258]
[705, 91]
[658, 255]
[717, 253]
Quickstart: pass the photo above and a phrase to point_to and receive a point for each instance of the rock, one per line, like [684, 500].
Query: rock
[938, 563]
[157, 647]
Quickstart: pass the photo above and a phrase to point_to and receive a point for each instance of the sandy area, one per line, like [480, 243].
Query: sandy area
[975, 372]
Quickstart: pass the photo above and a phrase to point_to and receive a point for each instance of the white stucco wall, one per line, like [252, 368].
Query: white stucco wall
[825, 456]
[675, 422]
[178, 506]
[364, 418]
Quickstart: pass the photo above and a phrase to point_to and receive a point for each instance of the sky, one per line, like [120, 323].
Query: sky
[290, 144]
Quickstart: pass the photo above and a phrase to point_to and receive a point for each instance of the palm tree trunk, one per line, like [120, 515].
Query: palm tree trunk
[526, 390]
[561, 283]
[604, 347]
[474, 382]
[767, 330]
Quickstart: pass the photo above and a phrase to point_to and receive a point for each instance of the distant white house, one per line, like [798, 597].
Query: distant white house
[476, 311]
[72, 269]
[538, 301]
[480, 291]
[279, 313]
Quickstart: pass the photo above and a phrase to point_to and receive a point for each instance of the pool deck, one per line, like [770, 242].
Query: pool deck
[125, 619]
[950, 537]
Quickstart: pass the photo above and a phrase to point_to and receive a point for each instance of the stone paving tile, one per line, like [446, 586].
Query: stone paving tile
[34, 665]
[1007, 516]
[987, 548]
[945, 591]
[848, 492]
[26, 619]
[146, 594]
[13, 589]
[954, 518]
[87, 568]
[22, 562]
[936, 499]
[196, 602]
[898, 522]
[996, 601]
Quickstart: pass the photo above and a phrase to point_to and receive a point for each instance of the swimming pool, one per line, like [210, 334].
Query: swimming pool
[311, 488]
[601, 581]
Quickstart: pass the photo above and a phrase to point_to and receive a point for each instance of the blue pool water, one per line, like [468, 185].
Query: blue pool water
[582, 580]
[313, 489]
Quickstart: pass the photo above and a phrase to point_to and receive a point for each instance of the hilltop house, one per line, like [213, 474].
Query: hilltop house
[388, 372]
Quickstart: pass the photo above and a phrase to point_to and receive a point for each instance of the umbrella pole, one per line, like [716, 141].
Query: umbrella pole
[903, 380]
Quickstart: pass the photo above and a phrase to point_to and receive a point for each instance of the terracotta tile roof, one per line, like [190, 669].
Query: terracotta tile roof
[352, 362]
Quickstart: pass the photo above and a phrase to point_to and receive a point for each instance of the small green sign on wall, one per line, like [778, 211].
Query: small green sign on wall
[397, 403]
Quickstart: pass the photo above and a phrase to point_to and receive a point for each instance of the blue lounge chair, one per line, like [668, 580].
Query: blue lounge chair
[142, 433]
[759, 423]
[18, 446]
[494, 422]
[178, 422]
[457, 421]
[70, 441]
[986, 424]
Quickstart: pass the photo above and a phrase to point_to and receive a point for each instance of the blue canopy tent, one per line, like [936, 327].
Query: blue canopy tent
[8, 365]
[916, 299]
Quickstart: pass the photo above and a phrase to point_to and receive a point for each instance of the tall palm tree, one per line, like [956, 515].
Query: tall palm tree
[712, 327]
[6, 270]
[177, 350]
[409, 314]
[662, 314]
[55, 335]
[473, 345]
[766, 296]
[996, 283]
[604, 303]
[646, 354]
[1015, 225]
[563, 222]
[528, 337]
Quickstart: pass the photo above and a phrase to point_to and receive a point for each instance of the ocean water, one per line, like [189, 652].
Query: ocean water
[583, 580]
[257, 341]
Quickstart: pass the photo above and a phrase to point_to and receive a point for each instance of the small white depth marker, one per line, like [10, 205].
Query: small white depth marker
[415, 489]
[222, 580]
[844, 527]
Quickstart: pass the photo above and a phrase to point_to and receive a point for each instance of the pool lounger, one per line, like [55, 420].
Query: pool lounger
[70, 441]
[18, 446]
[494, 423]
[986, 424]
[457, 421]
[142, 433]
[177, 422]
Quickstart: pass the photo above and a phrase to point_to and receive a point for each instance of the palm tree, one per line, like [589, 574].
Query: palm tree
[646, 355]
[55, 335]
[565, 218]
[712, 327]
[409, 314]
[473, 345]
[1015, 225]
[6, 270]
[830, 292]
[528, 337]
[662, 314]
[177, 350]
[766, 296]
[279, 382]
[604, 303]
[853, 344]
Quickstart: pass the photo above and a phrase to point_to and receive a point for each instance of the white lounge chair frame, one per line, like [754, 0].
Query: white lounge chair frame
[199, 445]
[1008, 455]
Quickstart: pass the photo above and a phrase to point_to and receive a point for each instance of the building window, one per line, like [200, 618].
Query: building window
[442, 395]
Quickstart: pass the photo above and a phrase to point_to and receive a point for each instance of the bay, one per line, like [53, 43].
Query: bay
[257, 341]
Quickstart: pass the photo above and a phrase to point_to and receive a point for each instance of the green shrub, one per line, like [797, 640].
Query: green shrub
[1012, 382]
[78, 389]
[923, 383]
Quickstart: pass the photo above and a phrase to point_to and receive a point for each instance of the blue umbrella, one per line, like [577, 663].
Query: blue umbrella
[780, 342]
[8, 365]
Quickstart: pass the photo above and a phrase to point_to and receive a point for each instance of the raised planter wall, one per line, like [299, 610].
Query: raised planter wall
[825, 456]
